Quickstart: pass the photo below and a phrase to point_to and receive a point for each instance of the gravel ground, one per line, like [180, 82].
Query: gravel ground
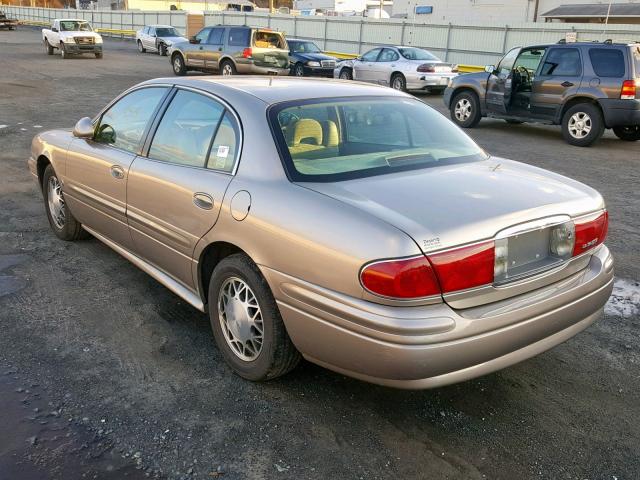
[128, 379]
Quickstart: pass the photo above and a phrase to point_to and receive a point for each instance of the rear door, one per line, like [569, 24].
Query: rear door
[149, 38]
[213, 50]
[385, 66]
[500, 82]
[175, 190]
[558, 79]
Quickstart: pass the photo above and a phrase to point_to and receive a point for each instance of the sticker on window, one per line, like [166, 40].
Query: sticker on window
[223, 151]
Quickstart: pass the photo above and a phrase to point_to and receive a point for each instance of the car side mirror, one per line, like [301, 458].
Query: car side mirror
[490, 68]
[194, 40]
[54, 29]
[84, 128]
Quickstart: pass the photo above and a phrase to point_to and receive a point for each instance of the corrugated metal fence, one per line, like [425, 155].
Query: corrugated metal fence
[467, 44]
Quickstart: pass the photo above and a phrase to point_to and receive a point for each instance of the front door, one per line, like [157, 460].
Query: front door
[559, 80]
[175, 191]
[194, 54]
[97, 169]
[499, 83]
[363, 67]
[213, 50]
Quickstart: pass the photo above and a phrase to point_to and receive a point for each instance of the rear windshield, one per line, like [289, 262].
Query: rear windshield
[607, 62]
[411, 53]
[341, 139]
[263, 39]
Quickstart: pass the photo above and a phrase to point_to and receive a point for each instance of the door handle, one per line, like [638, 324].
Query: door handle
[117, 172]
[203, 200]
[201, 48]
[567, 84]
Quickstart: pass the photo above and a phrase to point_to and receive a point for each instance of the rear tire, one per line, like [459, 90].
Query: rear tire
[177, 62]
[628, 134]
[48, 47]
[398, 82]
[61, 220]
[141, 49]
[227, 68]
[346, 74]
[465, 110]
[246, 322]
[582, 125]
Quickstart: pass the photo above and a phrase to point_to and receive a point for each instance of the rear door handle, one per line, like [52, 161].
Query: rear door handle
[203, 200]
[117, 172]
[567, 84]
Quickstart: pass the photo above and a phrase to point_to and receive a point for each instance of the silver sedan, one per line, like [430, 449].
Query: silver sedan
[402, 68]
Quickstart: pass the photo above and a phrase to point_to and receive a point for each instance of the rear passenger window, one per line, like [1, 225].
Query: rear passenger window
[607, 62]
[239, 37]
[185, 131]
[225, 145]
[563, 62]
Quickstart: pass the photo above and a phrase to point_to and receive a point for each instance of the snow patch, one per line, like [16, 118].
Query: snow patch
[23, 129]
[4, 126]
[625, 299]
[37, 126]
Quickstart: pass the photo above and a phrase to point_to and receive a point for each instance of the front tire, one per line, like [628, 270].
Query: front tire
[179, 68]
[465, 110]
[398, 82]
[346, 74]
[63, 51]
[98, 54]
[298, 70]
[582, 125]
[246, 322]
[48, 48]
[141, 48]
[162, 50]
[628, 134]
[61, 220]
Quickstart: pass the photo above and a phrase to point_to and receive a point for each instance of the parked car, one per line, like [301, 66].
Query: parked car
[320, 219]
[158, 38]
[71, 37]
[585, 87]
[307, 59]
[402, 68]
[8, 23]
[232, 50]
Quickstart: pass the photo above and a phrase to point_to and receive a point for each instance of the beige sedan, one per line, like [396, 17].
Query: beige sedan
[345, 223]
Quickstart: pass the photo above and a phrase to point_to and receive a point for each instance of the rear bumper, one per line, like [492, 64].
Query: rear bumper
[252, 69]
[434, 345]
[620, 113]
[428, 81]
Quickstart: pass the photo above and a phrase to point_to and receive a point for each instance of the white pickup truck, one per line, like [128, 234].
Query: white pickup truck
[71, 37]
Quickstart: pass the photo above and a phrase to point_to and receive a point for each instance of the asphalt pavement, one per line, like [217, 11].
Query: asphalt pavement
[129, 384]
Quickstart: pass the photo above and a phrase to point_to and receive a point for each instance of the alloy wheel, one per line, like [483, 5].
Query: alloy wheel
[227, 69]
[299, 71]
[56, 202]
[240, 319]
[463, 109]
[580, 125]
[177, 64]
[398, 83]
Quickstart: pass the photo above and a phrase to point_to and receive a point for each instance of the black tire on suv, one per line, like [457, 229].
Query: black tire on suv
[628, 134]
[582, 124]
[465, 109]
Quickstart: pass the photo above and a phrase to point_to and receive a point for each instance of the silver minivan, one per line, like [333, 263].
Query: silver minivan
[232, 50]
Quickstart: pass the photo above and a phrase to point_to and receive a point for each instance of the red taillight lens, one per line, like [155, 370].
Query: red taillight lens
[426, 68]
[591, 234]
[247, 52]
[628, 91]
[402, 278]
[465, 267]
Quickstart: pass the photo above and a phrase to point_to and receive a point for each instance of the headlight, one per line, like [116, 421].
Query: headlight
[313, 64]
[98, 39]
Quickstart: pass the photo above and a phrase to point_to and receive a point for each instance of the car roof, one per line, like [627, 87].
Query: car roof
[271, 90]
[160, 26]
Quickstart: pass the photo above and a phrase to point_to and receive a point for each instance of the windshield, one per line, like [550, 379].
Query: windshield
[304, 47]
[340, 139]
[417, 54]
[167, 32]
[75, 26]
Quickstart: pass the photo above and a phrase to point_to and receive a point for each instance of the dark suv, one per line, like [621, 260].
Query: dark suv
[585, 87]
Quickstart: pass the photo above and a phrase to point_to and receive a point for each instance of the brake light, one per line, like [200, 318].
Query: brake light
[247, 52]
[628, 91]
[426, 68]
[401, 278]
[465, 267]
[591, 234]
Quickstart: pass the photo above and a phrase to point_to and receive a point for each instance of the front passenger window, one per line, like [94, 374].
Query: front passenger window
[123, 125]
[203, 35]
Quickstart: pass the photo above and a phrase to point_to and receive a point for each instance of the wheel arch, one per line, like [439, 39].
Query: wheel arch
[462, 89]
[41, 165]
[210, 257]
[573, 101]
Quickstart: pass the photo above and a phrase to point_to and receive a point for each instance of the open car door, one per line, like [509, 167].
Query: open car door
[500, 83]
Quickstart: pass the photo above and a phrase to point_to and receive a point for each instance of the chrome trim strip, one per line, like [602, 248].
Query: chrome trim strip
[176, 287]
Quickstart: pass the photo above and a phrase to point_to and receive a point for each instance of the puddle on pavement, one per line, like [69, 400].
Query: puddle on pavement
[39, 442]
[8, 283]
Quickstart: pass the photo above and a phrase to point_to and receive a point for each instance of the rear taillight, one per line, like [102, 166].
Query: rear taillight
[247, 52]
[628, 91]
[402, 278]
[465, 267]
[590, 234]
[426, 68]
